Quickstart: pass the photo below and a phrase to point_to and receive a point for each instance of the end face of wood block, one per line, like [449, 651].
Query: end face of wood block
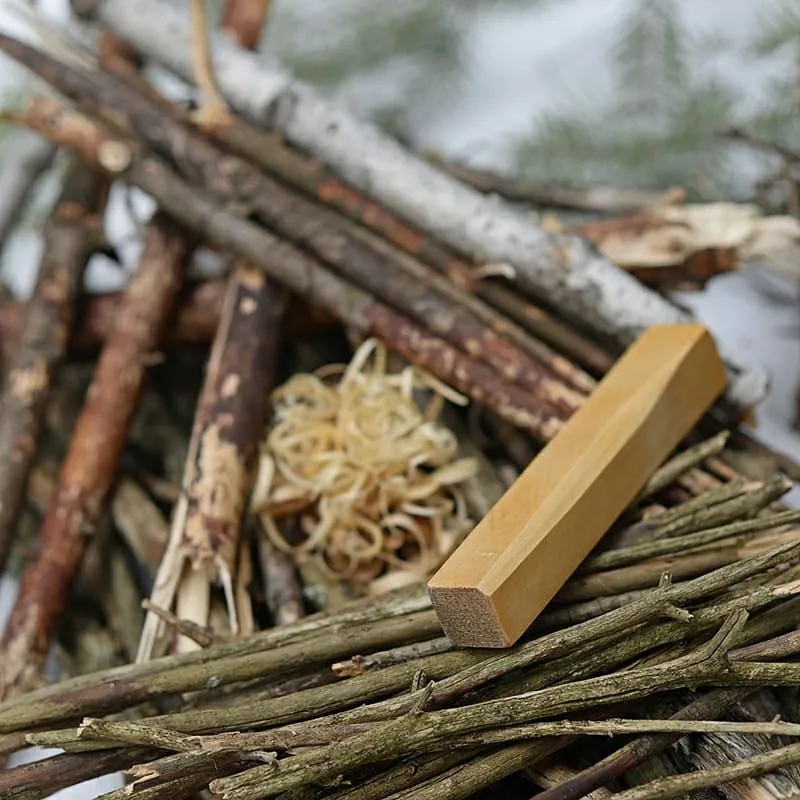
[512, 564]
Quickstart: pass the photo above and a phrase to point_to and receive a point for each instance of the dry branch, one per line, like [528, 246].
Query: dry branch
[88, 472]
[313, 178]
[390, 276]
[41, 779]
[319, 688]
[24, 163]
[585, 287]
[631, 755]
[594, 199]
[72, 234]
[229, 423]
[301, 273]
[194, 323]
[681, 785]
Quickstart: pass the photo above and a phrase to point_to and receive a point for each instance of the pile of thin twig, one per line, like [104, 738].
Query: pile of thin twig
[170, 455]
[373, 702]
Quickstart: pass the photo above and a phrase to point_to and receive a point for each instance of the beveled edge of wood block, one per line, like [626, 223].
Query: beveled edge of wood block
[468, 617]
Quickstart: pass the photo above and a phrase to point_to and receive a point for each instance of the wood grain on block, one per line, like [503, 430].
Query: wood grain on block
[506, 571]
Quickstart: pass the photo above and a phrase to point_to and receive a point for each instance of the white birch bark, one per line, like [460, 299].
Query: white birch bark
[565, 270]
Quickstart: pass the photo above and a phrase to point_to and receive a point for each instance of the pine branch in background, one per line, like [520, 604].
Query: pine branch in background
[778, 29]
[664, 103]
[651, 61]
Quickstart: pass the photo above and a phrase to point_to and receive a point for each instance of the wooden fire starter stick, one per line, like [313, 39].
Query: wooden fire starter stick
[515, 560]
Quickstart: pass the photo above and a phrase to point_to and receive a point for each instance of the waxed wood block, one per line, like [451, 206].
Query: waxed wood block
[510, 566]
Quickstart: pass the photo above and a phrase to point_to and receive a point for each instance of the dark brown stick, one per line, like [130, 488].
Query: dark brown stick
[315, 179]
[42, 778]
[90, 467]
[73, 232]
[229, 424]
[383, 272]
[707, 706]
[556, 333]
[228, 427]
[295, 268]
[470, 377]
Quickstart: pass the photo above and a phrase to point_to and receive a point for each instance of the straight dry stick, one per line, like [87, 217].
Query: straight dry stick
[315, 179]
[72, 234]
[88, 471]
[194, 323]
[684, 785]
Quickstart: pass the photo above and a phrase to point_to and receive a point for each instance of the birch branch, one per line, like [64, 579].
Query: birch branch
[566, 270]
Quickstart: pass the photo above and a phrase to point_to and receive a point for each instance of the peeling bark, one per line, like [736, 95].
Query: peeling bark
[194, 323]
[71, 236]
[89, 469]
[228, 426]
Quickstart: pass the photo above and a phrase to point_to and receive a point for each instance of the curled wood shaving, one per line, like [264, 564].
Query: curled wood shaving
[366, 475]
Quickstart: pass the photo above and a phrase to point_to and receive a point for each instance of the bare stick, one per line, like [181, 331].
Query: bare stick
[681, 785]
[230, 422]
[585, 286]
[72, 234]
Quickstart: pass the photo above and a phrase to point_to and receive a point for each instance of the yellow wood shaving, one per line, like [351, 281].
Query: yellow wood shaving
[370, 477]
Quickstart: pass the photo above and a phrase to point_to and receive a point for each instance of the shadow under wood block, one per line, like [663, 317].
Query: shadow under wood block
[497, 582]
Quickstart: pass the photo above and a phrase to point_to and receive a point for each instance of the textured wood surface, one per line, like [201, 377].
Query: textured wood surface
[506, 571]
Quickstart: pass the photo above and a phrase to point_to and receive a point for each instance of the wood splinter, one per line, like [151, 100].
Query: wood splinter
[506, 571]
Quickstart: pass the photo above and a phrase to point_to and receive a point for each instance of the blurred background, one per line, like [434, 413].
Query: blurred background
[634, 94]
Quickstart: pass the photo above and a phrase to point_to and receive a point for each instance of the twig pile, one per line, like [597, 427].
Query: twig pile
[685, 614]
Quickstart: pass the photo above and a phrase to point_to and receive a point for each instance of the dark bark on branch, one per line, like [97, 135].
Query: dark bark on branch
[301, 273]
[72, 234]
[380, 271]
[600, 199]
[88, 472]
[229, 424]
[245, 21]
[42, 778]
[194, 323]
[313, 178]
[228, 427]
[565, 338]
[458, 370]
[707, 706]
